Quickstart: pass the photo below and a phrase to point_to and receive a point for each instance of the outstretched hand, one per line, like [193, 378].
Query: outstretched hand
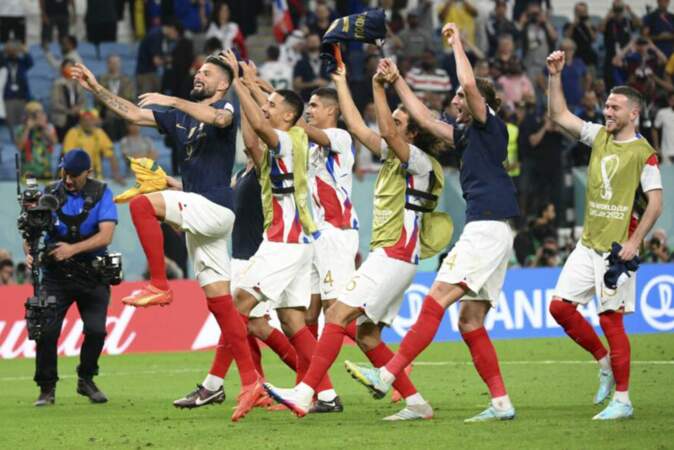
[155, 98]
[230, 59]
[555, 62]
[389, 69]
[83, 75]
[249, 70]
[339, 75]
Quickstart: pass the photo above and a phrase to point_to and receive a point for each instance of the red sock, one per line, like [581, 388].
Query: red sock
[313, 327]
[234, 332]
[577, 328]
[351, 330]
[280, 344]
[255, 353]
[419, 337]
[485, 360]
[325, 354]
[151, 239]
[379, 356]
[612, 324]
[222, 359]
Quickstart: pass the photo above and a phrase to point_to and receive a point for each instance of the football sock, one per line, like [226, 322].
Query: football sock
[221, 360]
[605, 364]
[622, 397]
[419, 337]
[351, 330]
[305, 346]
[280, 345]
[151, 239]
[326, 352]
[327, 395]
[379, 356]
[501, 403]
[255, 353]
[612, 324]
[415, 399]
[314, 329]
[577, 328]
[212, 382]
[485, 360]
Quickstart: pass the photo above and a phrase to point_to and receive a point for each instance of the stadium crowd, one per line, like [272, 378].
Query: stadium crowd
[506, 42]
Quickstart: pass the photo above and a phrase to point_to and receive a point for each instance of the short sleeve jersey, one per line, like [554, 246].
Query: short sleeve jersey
[209, 152]
[330, 177]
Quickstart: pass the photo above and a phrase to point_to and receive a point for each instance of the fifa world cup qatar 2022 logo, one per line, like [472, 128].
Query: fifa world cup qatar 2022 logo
[656, 302]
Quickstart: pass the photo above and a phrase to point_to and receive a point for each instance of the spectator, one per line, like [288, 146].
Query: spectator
[575, 77]
[641, 65]
[504, 57]
[13, 21]
[101, 22]
[228, 32]
[657, 250]
[307, 74]
[55, 14]
[538, 40]
[659, 27]
[67, 100]
[293, 48]
[7, 272]
[664, 120]
[193, 14]
[93, 140]
[543, 227]
[320, 20]
[17, 91]
[135, 145]
[498, 25]
[617, 29]
[274, 72]
[546, 152]
[515, 84]
[414, 38]
[3, 83]
[589, 110]
[245, 14]
[68, 51]
[512, 163]
[520, 7]
[177, 64]
[584, 34]
[482, 69]
[36, 139]
[428, 81]
[462, 13]
[151, 53]
[548, 254]
[119, 84]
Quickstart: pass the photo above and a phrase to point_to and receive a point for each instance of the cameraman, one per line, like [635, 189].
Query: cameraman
[84, 226]
[656, 248]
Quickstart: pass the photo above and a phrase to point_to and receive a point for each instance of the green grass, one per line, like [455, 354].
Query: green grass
[550, 381]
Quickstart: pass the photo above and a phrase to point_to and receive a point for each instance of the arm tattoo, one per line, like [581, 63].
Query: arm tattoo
[113, 102]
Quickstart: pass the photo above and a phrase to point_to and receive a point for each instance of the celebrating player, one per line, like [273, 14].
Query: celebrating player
[407, 187]
[623, 174]
[200, 205]
[475, 268]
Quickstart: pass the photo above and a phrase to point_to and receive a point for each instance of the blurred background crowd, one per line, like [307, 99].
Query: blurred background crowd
[137, 46]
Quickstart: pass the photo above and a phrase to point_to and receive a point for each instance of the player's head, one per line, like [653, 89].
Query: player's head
[323, 108]
[283, 109]
[622, 108]
[407, 127]
[488, 93]
[212, 79]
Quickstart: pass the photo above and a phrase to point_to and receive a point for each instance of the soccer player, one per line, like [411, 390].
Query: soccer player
[622, 175]
[246, 238]
[475, 268]
[279, 272]
[200, 205]
[407, 186]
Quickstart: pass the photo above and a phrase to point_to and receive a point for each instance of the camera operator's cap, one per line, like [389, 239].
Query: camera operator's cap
[32, 107]
[89, 112]
[76, 161]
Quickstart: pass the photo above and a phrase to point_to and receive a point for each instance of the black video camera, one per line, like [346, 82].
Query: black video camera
[37, 210]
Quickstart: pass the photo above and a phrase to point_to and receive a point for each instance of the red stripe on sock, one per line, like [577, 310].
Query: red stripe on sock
[234, 332]
[419, 337]
[612, 324]
[280, 344]
[379, 356]
[221, 360]
[485, 360]
[324, 356]
[577, 328]
[151, 239]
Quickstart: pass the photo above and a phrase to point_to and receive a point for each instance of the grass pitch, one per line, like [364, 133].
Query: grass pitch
[551, 382]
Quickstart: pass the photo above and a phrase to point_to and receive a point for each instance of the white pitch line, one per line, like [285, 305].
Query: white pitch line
[416, 363]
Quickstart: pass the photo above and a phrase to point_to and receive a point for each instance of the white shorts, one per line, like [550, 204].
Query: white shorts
[479, 260]
[582, 278]
[334, 262]
[378, 287]
[207, 227]
[238, 267]
[281, 274]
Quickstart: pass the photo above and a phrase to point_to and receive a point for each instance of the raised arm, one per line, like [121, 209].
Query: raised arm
[387, 127]
[415, 107]
[557, 109]
[354, 121]
[253, 82]
[250, 141]
[218, 117]
[124, 108]
[474, 100]
[315, 134]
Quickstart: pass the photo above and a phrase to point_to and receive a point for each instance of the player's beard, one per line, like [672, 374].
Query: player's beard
[201, 93]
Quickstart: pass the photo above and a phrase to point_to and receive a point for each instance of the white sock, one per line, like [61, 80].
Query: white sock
[212, 383]
[622, 397]
[502, 403]
[415, 399]
[304, 390]
[327, 395]
[386, 376]
[605, 364]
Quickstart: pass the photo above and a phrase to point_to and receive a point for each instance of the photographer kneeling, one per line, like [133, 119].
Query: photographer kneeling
[84, 224]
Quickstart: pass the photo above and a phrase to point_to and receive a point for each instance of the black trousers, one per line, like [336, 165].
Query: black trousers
[92, 304]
